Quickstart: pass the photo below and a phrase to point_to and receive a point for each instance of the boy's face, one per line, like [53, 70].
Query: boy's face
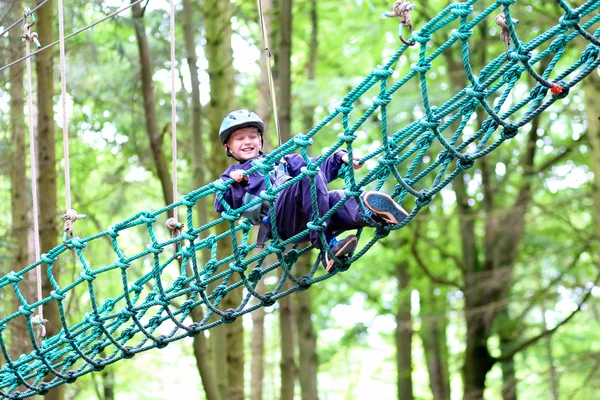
[245, 144]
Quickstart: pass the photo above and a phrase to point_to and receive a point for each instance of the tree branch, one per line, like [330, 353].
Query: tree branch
[421, 264]
[547, 332]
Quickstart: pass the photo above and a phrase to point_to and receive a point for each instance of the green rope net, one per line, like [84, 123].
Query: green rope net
[159, 293]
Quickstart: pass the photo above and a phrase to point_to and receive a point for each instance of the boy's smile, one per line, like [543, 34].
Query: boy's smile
[245, 144]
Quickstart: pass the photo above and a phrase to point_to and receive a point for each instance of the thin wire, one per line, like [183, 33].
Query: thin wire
[71, 35]
[63, 88]
[17, 22]
[173, 110]
[34, 188]
[268, 55]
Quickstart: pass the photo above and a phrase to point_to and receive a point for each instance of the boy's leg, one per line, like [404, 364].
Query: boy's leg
[347, 216]
[294, 208]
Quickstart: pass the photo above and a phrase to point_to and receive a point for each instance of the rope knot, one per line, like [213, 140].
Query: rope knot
[461, 10]
[347, 138]
[188, 201]
[220, 291]
[382, 100]
[268, 300]
[424, 198]
[569, 20]
[465, 163]
[344, 109]
[304, 282]
[559, 89]
[237, 268]
[154, 249]
[70, 217]
[255, 275]
[173, 225]
[510, 131]
[162, 341]
[40, 322]
[13, 277]
[421, 67]
[504, 29]
[381, 72]
[402, 9]
[302, 140]
[28, 36]
[479, 94]
[461, 33]
[231, 215]
[589, 54]
[514, 56]
[559, 43]
[229, 316]
[425, 141]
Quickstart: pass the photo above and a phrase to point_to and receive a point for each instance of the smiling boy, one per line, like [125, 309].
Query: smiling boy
[241, 136]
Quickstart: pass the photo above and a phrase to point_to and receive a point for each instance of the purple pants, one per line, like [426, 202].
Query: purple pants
[294, 210]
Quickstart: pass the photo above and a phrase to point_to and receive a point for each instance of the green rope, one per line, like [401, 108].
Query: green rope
[149, 299]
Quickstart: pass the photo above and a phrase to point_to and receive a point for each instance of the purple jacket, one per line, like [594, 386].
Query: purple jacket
[242, 193]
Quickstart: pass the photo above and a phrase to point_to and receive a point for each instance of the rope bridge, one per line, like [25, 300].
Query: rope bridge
[158, 294]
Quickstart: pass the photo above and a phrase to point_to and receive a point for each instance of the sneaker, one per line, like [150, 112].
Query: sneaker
[384, 207]
[339, 248]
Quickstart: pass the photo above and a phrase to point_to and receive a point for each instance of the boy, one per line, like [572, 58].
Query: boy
[241, 136]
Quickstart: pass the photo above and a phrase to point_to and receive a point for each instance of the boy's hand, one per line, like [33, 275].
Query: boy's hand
[238, 175]
[355, 163]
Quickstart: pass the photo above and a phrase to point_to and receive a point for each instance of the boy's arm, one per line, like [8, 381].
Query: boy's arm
[331, 166]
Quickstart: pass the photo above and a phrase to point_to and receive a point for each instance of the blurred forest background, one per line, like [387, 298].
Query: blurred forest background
[491, 292]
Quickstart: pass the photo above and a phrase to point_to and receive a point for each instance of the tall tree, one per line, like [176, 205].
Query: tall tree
[286, 312]
[592, 105]
[265, 111]
[47, 163]
[307, 339]
[227, 341]
[433, 333]
[202, 351]
[20, 223]
[404, 333]
[154, 135]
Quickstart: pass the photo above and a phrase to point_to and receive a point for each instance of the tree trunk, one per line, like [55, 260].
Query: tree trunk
[433, 334]
[286, 315]
[404, 333]
[287, 363]
[592, 105]
[264, 110]
[227, 342]
[48, 210]
[20, 342]
[307, 339]
[154, 136]
[308, 361]
[284, 68]
[478, 360]
[257, 349]
[201, 350]
[108, 384]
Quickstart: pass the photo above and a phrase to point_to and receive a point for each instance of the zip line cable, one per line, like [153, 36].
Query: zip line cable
[71, 35]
